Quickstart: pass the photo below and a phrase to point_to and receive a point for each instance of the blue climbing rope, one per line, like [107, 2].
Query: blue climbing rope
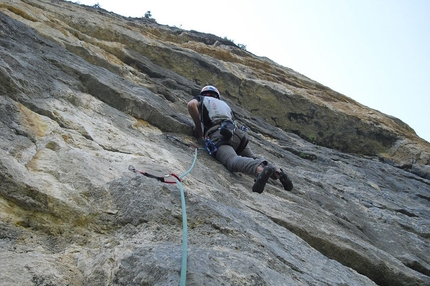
[192, 165]
[184, 224]
[184, 211]
[184, 237]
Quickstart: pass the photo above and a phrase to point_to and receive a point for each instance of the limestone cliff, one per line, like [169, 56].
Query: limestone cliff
[85, 93]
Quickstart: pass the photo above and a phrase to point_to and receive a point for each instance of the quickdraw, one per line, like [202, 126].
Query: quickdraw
[183, 278]
[158, 178]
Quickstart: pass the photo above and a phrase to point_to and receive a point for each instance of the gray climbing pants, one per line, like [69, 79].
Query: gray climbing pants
[244, 162]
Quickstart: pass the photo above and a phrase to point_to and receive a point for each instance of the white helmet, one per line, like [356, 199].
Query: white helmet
[210, 91]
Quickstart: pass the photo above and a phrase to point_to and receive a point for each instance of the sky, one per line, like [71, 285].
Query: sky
[376, 52]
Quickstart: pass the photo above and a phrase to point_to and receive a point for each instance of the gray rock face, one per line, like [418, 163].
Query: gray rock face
[77, 108]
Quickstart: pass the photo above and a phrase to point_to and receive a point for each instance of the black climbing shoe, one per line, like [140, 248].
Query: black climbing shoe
[286, 182]
[262, 178]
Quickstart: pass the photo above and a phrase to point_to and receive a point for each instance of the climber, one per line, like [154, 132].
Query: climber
[213, 122]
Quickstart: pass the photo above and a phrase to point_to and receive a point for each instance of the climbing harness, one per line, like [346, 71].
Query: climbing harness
[184, 212]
